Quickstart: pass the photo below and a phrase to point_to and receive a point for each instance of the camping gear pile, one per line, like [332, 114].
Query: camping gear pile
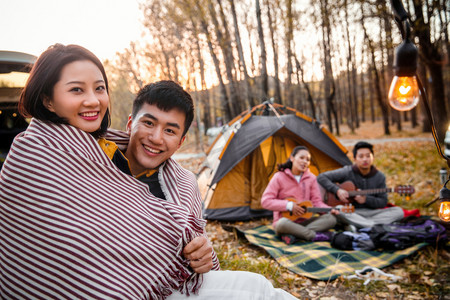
[396, 236]
[319, 260]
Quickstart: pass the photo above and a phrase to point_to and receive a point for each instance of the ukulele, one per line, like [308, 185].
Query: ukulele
[310, 209]
[331, 199]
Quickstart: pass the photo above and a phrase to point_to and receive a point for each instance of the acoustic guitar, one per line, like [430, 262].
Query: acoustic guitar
[331, 199]
[310, 209]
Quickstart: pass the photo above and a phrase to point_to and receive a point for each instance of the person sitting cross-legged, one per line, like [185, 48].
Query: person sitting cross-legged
[369, 209]
[294, 180]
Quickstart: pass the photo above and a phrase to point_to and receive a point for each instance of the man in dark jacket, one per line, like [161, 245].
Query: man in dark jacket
[369, 209]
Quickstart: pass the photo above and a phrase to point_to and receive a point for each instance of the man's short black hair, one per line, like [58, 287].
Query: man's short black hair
[360, 145]
[166, 95]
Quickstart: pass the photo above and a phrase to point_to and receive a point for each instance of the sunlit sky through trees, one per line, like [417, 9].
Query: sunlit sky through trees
[103, 26]
[333, 59]
[106, 27]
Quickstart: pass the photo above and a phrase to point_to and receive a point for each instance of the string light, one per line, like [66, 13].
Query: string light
[444, 211]
[404, 93]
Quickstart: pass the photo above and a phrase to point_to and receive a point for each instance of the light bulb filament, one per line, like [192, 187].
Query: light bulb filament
[404, 89]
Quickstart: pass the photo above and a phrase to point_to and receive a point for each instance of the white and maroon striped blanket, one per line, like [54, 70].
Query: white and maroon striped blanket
[178, 184]
[73, 226]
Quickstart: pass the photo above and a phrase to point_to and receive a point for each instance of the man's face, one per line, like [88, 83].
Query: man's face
[154, 136]
[364, 160]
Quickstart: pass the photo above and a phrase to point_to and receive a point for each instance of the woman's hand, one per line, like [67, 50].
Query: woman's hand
[199, 252]
[335, 211]
[298, 210]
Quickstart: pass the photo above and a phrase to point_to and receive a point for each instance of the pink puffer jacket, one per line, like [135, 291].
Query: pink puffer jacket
[284, 185]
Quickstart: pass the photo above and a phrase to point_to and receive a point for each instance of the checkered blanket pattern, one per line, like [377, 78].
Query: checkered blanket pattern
[318, 260]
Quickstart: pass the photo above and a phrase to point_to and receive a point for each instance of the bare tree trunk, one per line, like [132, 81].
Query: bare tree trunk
[329, 89]
[275, 53]
[388, 46]
[224, 39]
[330, 101]
[414, 123]
[444, 22]
[371, 92]
[340, 97]
[355, 93]
[226, 106]
[203, 93]
[363, 89]
[351, 121]
[193, 86]
[289, 38]
[383, 105]
[308, 91]
[237, 36]
[262, 44]
[252, 56]
[433, 60]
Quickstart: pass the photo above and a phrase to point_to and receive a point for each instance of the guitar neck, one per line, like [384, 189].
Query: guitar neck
[368, 192]
[318, 209]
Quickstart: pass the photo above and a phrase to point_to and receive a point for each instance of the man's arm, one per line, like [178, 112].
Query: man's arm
[328, 179]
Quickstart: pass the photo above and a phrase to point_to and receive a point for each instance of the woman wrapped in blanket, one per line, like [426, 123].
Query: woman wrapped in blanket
[72, 225]
[294, 181]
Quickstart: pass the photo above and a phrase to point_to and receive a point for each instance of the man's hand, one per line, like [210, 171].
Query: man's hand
[199, 252]
[342, 195]
[361, 199]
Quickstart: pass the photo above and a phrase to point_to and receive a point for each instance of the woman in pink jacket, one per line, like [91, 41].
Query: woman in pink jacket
[294, 180]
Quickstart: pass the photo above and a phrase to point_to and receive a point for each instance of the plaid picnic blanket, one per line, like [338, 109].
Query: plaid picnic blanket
[318, 260]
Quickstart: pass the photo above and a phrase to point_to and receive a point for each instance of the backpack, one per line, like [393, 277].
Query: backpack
[347, 240]
[398, 236]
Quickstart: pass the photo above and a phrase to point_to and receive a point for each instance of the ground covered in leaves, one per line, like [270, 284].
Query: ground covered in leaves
[425, 275]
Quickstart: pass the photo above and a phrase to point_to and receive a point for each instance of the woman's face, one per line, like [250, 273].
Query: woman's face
[80, 96]
[300, 162]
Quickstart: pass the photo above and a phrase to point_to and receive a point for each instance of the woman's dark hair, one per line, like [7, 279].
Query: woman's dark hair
[288, 163]
[46, 72]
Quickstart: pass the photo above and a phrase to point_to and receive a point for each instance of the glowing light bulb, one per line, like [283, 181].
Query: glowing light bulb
[444, 211]
[404, 93]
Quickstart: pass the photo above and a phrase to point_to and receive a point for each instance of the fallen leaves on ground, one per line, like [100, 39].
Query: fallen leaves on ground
[423, 276]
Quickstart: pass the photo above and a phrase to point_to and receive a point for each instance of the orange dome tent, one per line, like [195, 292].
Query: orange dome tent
[244, 156]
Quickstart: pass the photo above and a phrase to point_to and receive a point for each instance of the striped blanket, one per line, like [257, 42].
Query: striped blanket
[73, 226]
[318, 260]
[178, 184]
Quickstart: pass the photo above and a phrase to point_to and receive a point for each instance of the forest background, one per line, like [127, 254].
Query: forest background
[330, 59]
